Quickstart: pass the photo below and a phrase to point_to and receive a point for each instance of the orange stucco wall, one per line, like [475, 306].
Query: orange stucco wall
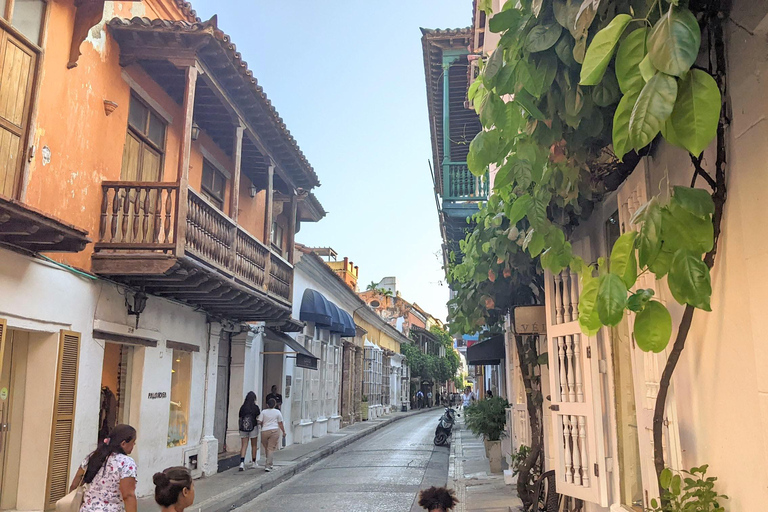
[85, 144]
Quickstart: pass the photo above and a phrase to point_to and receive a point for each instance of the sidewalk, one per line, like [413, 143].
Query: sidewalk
[230, 489]
[469, 474]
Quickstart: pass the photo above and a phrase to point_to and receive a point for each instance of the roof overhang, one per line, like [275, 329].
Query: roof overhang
[24, 227]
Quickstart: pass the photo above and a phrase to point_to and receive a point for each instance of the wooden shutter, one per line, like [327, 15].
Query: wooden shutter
[647, 366]
[63, 417]
[576, 410]
[17, 69]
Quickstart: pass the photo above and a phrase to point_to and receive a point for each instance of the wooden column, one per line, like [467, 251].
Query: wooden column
[182, 177]
[292, 226]
[237, 153]
[268, 221]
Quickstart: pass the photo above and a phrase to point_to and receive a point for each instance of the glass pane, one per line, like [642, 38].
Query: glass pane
[27, 17]
[156, 130]
[137, 115]
[2, 8]
[219, 182]
[181, 375]
[207, 175]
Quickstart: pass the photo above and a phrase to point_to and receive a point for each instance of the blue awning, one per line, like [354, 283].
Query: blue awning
[316, 308]
[337, 324]
[349, 325]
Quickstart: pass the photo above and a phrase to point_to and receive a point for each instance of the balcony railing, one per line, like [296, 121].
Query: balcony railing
[459, 184]
[139, 217]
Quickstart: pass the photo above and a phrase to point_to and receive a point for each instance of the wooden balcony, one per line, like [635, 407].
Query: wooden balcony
[171, 242]
[459, 184]
[25, 228]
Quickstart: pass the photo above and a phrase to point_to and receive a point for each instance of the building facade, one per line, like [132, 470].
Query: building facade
[170, 229]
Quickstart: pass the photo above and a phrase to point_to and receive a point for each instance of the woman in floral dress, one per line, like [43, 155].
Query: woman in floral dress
[110, 473]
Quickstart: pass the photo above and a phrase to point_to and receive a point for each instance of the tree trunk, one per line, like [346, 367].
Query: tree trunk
[526, 352]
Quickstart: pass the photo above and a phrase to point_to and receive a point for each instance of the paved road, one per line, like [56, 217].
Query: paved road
[382, 472]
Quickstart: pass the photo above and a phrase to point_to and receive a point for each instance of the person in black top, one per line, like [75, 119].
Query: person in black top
[249, 413]
[277, 396]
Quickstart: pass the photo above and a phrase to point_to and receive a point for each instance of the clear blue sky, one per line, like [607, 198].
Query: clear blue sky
[348, 79]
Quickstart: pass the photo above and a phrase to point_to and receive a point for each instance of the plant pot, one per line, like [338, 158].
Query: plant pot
[364, 410]
[485, 443]
[494, 456]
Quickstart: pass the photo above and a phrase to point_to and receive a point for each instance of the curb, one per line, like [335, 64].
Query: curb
[243, 493]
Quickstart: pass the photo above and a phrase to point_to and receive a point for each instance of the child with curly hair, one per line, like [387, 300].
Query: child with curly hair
[438, 499]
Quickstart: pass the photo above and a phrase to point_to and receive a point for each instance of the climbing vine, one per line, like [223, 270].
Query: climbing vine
[573, 95]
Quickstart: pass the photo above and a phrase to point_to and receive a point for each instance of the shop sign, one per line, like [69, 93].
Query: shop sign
[303, 361]
[530, 320]
[156, 395]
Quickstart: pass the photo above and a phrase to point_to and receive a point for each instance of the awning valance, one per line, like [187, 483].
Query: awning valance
[304, 358]
[316, 308]
[337, 326]
[349, 325]
[490, 351]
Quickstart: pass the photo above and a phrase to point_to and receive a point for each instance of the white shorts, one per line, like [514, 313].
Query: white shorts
[253, 434]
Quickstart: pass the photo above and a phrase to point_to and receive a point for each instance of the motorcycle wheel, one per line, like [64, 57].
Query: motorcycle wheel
[440, 439]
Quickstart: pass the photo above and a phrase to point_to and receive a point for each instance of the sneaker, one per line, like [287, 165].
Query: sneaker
[267, 469]
[242, 467]
[253, 465]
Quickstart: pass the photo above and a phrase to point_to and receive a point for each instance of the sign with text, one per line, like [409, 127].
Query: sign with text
[530, 320]
[303, 361]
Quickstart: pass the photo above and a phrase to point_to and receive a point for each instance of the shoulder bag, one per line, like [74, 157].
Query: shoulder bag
[74, 500]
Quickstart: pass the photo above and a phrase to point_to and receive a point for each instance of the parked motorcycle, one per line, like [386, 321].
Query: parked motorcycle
[445, 426]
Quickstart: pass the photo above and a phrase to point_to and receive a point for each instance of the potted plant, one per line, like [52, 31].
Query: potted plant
[487, 418]
[364, 408]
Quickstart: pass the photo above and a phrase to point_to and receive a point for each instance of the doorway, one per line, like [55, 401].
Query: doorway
[13, 356]
[272, 374]
[222, 392]
[115, 387]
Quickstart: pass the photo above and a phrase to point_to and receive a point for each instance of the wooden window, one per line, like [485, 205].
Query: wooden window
[26, 16]
[144, 144]
[214, 184]
[277, 236]
[63, 417]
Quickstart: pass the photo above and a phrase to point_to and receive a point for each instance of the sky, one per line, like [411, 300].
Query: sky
[348, 80]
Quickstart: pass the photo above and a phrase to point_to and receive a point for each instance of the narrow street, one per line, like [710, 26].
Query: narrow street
[382, 472]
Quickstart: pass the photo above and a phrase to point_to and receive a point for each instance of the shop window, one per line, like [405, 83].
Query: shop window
[213, 185]
[115, 387]
[181, 378]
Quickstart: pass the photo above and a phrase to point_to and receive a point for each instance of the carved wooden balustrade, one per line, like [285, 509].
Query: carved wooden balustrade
[141, 217]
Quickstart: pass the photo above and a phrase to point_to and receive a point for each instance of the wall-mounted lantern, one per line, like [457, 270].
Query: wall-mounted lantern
[195, 131]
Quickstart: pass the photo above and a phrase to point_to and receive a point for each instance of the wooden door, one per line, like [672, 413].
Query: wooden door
[17, 69]
[647, 366]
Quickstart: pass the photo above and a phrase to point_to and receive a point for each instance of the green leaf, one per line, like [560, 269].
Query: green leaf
[676, 485]
[503, 177]
[621, 141]
[665, 478]
[566, 12]
[519, 208]
[521, 171]
[680, 229]
[542, 73]
[483, 150]
[697, 111]
[674, 41]
[653, 107]
[543, 359]
[653, 328]
[495, 61]
[689, 280]
[534, 243]
[611, 299]
[623, 262]
[564, 51]
[536, 6]
[660, 265]
[589, 321]
[631, 52]
[525, 100]
[607, 91]
[694, 200]
[601, 50]
[649, 239]
[537, 213]
[637, 301]
[542, 37]
[646, 70]
[504, 20]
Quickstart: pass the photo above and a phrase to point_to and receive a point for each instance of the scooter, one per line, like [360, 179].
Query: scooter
[445, 426]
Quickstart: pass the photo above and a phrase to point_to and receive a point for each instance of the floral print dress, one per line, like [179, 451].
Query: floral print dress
[103, 494]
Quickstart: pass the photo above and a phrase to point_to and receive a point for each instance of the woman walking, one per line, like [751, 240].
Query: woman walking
[111, 474]
[249, 415]
[271, 420]
[174, 490]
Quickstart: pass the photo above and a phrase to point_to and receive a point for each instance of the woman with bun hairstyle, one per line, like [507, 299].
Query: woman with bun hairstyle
[174, 490]
[111, 474]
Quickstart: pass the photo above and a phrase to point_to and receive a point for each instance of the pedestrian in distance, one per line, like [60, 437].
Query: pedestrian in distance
[271, 420]
[249, 415]
[437, 499]
[277, 396]
[429, 399]
[489, 394]
[468, 397]
[110, 473]
[420, 399]
[174, 489]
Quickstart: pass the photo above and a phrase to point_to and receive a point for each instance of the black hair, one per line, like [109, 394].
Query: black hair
[249, 405]
[169, 484]
[113, 444]
[437, 498]
[271, 403]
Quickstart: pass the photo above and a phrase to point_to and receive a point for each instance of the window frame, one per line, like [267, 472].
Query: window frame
[217, 201]
[275, 241]
[6, 23]
[143, 138]
[189, 355]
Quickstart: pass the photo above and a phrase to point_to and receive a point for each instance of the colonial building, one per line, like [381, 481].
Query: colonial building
[138, 151]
